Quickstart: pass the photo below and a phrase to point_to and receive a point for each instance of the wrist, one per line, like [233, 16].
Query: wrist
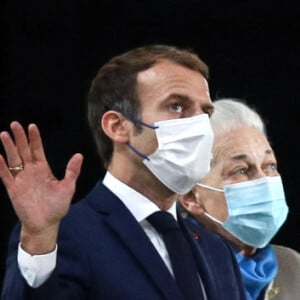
[38, 243]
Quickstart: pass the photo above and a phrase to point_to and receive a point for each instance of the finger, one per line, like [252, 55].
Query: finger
[12, 155]
[73, 168]
[5, 174]
[21, 141]
[36, 144]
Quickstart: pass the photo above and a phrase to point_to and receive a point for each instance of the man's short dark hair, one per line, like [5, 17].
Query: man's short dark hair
[114, 87]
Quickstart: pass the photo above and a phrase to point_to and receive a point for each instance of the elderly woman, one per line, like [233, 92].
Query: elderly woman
[243, 200]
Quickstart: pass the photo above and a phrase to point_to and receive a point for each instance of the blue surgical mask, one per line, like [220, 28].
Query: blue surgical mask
[256, 209]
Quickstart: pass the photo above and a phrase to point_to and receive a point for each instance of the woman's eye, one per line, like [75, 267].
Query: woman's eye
[177, 107]
[271, 168]
[240, 172]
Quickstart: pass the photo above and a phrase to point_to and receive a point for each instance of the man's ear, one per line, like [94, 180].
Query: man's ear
[115, 126]
[190, 202]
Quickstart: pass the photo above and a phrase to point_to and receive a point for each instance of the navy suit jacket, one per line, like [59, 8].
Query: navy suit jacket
[103, 253]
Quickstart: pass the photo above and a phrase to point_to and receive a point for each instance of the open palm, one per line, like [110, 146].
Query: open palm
[40, 200]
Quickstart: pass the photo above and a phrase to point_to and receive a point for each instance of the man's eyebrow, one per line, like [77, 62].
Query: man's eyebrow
[269, 151]
[180, 97]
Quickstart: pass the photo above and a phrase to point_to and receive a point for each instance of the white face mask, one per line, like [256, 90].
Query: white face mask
[183, 154]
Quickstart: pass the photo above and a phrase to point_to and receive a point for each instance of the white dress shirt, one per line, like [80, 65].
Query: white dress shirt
[36, 269]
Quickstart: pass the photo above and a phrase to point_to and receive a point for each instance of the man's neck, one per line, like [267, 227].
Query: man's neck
[144, 182]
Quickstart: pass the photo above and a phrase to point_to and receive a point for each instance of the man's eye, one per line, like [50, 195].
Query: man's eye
[176, 107]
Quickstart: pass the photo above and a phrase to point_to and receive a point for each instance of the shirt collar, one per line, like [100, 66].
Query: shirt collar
[139, 205]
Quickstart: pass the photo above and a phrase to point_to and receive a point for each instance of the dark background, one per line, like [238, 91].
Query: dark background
[50, 51]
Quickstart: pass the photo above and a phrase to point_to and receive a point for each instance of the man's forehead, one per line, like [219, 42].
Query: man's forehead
[147, 75]
[165, 69]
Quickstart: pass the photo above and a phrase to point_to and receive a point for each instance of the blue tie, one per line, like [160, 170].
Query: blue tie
[181, 256]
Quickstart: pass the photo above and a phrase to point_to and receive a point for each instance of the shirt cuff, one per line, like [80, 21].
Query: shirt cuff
[36, 269]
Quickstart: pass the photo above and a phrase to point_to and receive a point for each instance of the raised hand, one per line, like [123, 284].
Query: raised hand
[40, 200]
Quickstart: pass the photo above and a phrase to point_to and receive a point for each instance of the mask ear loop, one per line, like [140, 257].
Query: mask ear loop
[216, 190]
[135, 121]
[138, 152]
[213, 218]
[210, 187]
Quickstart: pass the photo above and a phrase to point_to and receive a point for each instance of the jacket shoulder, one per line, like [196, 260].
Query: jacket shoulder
[287, 279]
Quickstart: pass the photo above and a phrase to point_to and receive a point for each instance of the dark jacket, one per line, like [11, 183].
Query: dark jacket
[103, 253]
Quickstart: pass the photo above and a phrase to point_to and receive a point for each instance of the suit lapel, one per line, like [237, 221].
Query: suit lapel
[121, 221]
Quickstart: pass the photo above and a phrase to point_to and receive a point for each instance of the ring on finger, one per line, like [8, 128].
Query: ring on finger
[17, 168]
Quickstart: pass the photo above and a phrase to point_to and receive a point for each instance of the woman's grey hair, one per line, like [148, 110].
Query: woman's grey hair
[232, 113]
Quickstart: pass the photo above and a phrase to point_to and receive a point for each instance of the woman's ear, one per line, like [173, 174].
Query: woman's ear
[192, 203]
[115, 126]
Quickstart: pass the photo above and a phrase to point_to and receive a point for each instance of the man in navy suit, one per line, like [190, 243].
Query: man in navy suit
[149, 113]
